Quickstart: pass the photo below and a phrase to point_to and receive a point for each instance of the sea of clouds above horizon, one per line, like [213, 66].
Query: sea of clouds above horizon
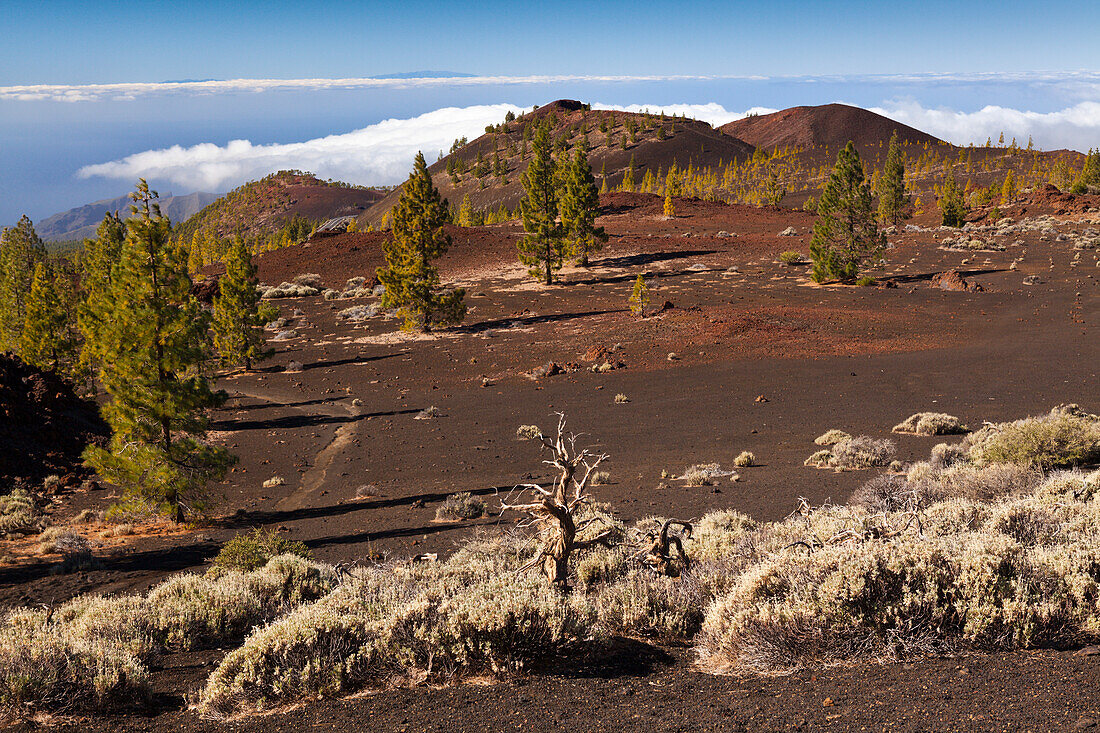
[72, 144]
[382, 153]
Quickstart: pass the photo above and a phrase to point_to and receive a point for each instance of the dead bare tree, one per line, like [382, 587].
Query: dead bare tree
[554, 510]
[657, 554]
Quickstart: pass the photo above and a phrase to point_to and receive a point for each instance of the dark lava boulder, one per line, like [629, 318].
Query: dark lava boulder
[44, 425]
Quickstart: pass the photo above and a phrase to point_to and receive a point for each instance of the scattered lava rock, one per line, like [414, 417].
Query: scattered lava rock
[44, 426]
[952, 280]
[548, 369]
[205, 290]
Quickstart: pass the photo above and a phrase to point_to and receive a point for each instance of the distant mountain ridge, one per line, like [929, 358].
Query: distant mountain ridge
[81, 222]
[424, 75]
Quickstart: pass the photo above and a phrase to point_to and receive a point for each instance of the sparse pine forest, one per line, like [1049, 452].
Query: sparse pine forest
[367, 477]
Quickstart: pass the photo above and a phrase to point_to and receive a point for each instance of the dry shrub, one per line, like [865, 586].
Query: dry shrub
[41, 669]
[247, 552]
[90, 652]
[861, 452]
[1061, 439]
[403, 623]
[886, 493]
[288, 290]
[19, 514]
[947, 454]
[953, 517]
[461, 506]
[832, 437]
[1025, 522]
[1073, 485]
[703, 474]
[601, 566]
[87, 516]
[986, 483]
[642, 604]
[718, 535]
[981, 590]
[744, 459]
[931, 423]
[528, 432]
[311, 280]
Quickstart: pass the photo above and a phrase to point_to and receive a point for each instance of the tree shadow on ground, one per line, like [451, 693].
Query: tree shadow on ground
[182, 557]
[351, 360]
[615, 657]
[528, 320]
[245, 518]
[163, 559]
[288, 422]
[648, 258]
[262, 404]
[928, 276]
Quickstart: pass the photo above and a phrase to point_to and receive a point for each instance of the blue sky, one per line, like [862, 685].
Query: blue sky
[959, 70]
[85, 42]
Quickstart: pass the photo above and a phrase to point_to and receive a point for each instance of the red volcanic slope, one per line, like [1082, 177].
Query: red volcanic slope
[827, 125]
[681, 141]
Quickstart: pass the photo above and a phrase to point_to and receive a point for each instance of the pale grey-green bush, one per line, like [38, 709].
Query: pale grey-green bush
[832, 437]
[853, 454]
[461, 506]
[744, 459]
[931, 423]
[41, 669]
[861, 452]
[19, 514]
[91, 651]
[403, 623]
[984, 590]
[1066, 437]
[643, 604]
[528, 432]
[703, 474]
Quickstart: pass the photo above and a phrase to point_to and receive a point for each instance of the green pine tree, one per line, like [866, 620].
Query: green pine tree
[94, 313]
[239, 315]
[628, 177]
[465, 212]
[154, 346]
[1090, 174]
[580, 203]
[47, 341]
[20, 251]
[894, 205]
[952, 204]
[411, 277]
[639, 297]
[1008, 189]
[845, 235]
[543, 250]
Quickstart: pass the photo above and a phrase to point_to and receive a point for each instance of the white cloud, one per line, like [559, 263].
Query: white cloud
[383, 153]
[1076, 127]
[126, 91]
[713, 113]
[1082, 85]
[378, 154]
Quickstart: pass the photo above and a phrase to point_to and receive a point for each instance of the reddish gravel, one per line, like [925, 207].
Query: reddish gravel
[858, 359]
